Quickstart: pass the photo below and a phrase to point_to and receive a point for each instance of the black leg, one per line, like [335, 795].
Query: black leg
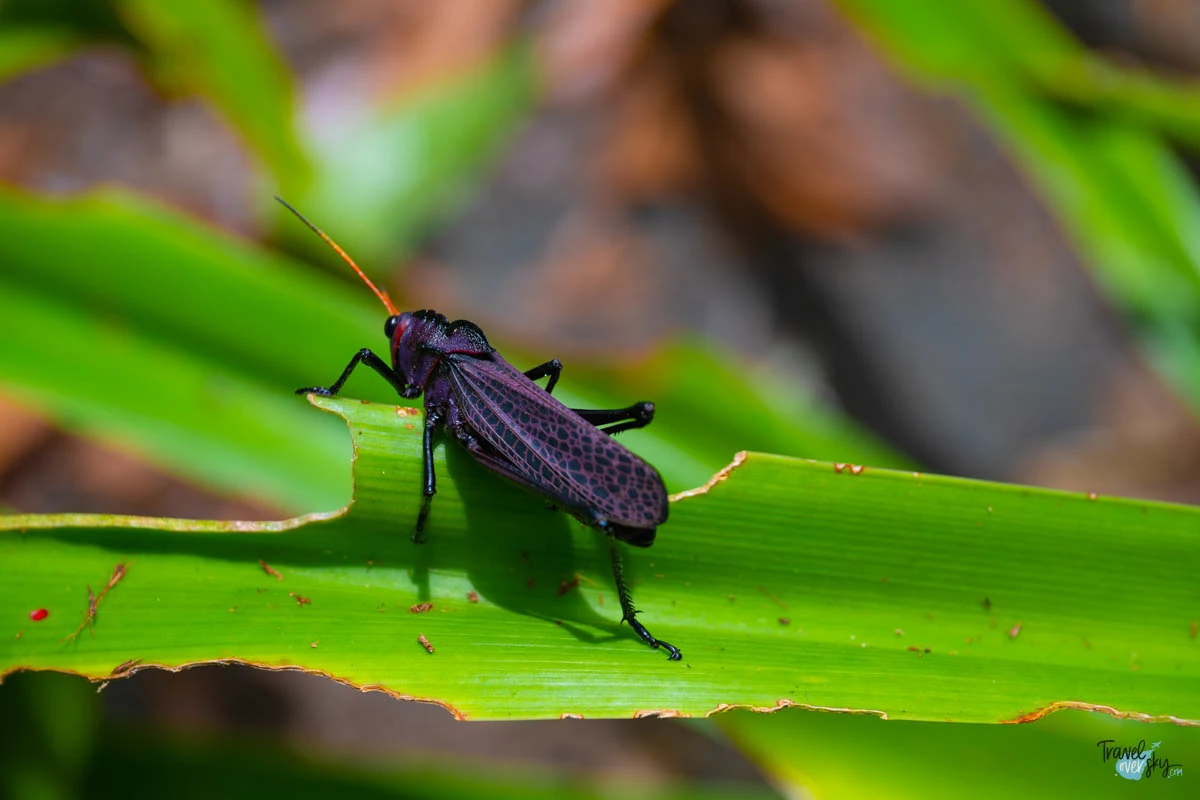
[616, 420]
[637, 415]
[432, 420]
[373, 361]
[551, 369]
[629, 613]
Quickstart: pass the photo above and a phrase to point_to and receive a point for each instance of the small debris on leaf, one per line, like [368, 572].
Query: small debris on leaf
[94, 601]
[1014, 631]
[772, 598]
[267, 568]
[421, 608]
[425, 643]
[124, 666]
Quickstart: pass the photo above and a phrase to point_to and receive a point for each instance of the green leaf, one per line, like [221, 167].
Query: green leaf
[54, 739]
[1059, 756]
[168, 404]
[136, 325]
[216, 50]
[383, 177]
[219, 50]
[28, 48]
[787, 582]
[1094, 139]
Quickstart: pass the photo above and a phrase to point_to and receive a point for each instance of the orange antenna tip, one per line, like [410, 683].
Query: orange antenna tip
[383, 296]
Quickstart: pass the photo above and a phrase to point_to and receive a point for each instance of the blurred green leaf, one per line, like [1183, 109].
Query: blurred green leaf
[85, 20]
[28, 48]
[852, 756]
[1092, 136]
[116, 255]
[55, 746]
[202, 419]
[382, 178]
[219, 50]
[216, 50]
[787, 582]
[133, 324]
[235, 770]
[48, 728]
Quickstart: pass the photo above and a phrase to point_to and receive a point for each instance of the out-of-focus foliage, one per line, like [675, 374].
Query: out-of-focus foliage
[216, 50]
[381, 179]
[54, 745]
[123, 310]
[27, 48]
[1060, 756]
[1095, 137]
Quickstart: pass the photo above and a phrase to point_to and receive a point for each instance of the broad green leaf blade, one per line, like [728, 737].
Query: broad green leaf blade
[786, 582]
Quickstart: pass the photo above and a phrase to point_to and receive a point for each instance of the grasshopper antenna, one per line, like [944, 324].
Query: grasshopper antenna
[383, 296]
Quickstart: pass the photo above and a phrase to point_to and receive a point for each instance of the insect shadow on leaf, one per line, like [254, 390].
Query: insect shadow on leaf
[516, 428]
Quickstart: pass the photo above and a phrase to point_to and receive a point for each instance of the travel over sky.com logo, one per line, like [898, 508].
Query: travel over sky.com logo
[1132, 763]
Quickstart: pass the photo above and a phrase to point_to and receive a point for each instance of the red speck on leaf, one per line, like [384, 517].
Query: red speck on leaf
[38, 614]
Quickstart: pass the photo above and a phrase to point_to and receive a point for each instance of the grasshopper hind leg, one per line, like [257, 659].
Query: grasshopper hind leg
[629, 613]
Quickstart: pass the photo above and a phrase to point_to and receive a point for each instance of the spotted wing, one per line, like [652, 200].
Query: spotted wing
[552, 450]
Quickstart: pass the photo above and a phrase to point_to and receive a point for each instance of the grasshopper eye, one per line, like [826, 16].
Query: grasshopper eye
[389, 327]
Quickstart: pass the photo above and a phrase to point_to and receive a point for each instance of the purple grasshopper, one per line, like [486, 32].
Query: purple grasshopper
[517, 429]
